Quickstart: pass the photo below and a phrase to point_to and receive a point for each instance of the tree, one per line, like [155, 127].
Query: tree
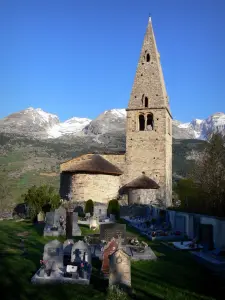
[89, 207]
[42, 198]
[114, 208]
[189, 195]
[209, 175]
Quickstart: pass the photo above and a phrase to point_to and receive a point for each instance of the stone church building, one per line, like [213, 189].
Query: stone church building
[144, 171]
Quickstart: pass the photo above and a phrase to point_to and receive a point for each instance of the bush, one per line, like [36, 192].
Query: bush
[114, 208]
[41, 198]
[89, 207]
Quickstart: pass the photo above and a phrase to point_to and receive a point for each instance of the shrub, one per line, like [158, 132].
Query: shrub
[41, 198]
[114, 208]
[89, 207]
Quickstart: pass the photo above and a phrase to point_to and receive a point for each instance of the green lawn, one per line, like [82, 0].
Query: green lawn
[175, 275]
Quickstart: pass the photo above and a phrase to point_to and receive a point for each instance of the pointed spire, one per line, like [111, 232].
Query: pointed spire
[149, 89]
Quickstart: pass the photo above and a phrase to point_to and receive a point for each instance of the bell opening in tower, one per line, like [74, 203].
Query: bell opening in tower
[141, 123]
[150, 122]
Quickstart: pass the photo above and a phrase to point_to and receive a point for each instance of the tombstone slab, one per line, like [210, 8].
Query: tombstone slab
[109, 231]
[120, 268]
[80, 252]
[111, 247]
[53, 252]
[75, 227]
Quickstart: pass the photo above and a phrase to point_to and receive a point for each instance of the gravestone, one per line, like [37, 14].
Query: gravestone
[206, 236]
[59, 212]
[75, 227]
[80, 252]
[111, 247]
[40, 217]
[119, 268]
[180, 224]
[94, 223]
[109, 231]
[60, 219]
[49, 218]
[53, 252]
[67, 246]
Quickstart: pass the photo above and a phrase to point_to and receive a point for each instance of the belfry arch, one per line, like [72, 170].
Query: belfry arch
[150, 122]
[141, 120]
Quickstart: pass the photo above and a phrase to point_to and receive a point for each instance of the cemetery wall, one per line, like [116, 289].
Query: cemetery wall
[218, 229]
[217, 223]
[98, 187]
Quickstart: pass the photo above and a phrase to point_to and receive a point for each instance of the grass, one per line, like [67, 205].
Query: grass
[175, 275]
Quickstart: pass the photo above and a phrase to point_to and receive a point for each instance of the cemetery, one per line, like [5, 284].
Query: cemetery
[96, 260]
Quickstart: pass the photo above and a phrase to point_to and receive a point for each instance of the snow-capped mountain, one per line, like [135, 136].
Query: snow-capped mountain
[39, 124]
[200, 129]
[110, 121]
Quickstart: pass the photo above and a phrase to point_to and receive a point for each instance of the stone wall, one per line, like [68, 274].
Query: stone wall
[98, 187]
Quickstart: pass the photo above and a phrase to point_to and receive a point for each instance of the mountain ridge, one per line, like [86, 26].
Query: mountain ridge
[35, 122]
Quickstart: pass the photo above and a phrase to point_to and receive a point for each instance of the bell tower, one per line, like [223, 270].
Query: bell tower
[149, 125]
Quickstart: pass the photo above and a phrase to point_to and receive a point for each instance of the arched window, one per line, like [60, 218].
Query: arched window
[150, 122]
[146, 101]
[141, 122]
[148, 57]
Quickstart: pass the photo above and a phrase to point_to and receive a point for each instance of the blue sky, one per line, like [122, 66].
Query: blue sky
[79, 57]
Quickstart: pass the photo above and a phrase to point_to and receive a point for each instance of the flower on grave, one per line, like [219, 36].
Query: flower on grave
[43, 263]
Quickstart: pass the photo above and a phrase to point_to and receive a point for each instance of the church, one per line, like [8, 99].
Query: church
[143, 174]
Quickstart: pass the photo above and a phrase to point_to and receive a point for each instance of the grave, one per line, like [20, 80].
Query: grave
[56, 223]
[67, 247]
[75, 227]
[60, 219]
[80, 252]
[109, 231]
[111, 247]
[53, 269]
[94, 223]
[119, 268]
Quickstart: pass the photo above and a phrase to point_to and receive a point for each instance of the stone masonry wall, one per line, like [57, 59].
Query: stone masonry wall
[150, 151]
[98, 187]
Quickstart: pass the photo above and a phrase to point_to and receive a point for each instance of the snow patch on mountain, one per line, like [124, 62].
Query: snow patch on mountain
[69, 127]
